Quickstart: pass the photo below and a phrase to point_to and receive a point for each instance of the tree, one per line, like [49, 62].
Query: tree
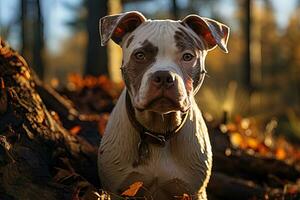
[247, 28]
[32, 34]
[87, 18]
[96, 56]
[245, 20]
[175, 9]
[290, 49]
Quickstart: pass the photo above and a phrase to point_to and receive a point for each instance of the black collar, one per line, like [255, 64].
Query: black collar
[146, 134]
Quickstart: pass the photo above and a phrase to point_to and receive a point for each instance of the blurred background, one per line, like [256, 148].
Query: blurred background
[259, 78]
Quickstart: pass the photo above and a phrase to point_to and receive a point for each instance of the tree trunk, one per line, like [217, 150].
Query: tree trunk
[247, 32]
[96, 56]
[32, 35]
[38, 41]
[175, 10]
[23, 8]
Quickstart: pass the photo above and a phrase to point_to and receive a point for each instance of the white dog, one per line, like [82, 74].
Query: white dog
[156, 133]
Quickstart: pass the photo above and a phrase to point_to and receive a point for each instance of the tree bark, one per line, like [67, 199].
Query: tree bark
[39, 159]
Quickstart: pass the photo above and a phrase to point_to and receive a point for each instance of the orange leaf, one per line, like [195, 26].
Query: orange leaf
[133, 189]
[236, 139]
[75, 130]
[280, 153]
[252, 143]
[186, 197]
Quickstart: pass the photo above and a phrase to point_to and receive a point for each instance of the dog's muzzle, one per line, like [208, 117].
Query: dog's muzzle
[164, 93]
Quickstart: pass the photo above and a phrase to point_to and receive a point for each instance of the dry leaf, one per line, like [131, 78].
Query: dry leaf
[236, 139]
[186, 197]
[133, 189]
[75, 130]
[252, 143]
[280, 153]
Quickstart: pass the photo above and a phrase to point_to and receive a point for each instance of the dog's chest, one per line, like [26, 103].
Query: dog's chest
[161, 163]
[182, 166]
[162, 171]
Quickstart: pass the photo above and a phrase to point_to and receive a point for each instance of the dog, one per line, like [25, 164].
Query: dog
[156, 134]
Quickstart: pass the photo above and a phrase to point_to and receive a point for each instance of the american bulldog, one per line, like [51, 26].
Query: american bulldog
[156, 133]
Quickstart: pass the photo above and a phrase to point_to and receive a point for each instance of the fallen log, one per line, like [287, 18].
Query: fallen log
[54, 101]
[225, 187]
[34, 147]
[68, 113]
[239, 163]
[239, 175]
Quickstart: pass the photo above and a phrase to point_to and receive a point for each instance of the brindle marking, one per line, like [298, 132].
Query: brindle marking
[186, 41]
[196, 74]
[129, 41]
[134, 70]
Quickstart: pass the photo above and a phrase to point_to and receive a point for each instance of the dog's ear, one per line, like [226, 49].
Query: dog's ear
[213, 32]
[115, 27]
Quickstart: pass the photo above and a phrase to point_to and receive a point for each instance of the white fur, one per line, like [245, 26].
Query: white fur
[161, 34]
[186, 157]
[184, 164]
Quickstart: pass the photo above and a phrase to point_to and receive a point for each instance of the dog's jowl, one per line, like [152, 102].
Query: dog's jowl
[156, 133]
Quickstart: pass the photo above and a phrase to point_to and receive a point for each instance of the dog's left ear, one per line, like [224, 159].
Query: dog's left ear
[115, 27]
[213, 32]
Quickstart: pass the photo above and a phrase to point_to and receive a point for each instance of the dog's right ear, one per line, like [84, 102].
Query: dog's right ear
[214, 33]
[115, 27]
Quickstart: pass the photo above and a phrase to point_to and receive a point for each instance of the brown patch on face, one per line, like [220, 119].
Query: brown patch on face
[125, 77]
[129, 41]
[185, 40]
[134, 70]
[196, 74]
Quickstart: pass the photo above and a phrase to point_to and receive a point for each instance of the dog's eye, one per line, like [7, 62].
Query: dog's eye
[187, 57]
[139, 55]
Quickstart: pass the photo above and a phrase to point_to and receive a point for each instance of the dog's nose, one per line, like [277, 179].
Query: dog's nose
[163, 78]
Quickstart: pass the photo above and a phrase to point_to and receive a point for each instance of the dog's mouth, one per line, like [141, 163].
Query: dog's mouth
[163, 104]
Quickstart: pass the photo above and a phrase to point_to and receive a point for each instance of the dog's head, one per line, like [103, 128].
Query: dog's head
[163, 60]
